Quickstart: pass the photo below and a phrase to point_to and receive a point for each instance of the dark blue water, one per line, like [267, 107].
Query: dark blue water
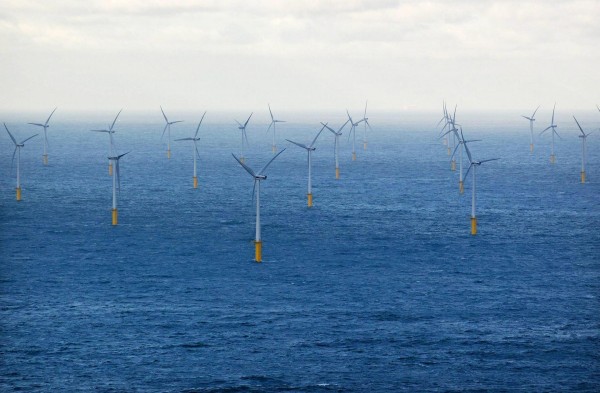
[379, 287]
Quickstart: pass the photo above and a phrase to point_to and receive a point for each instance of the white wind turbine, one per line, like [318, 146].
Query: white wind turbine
[244, 136]
[446, 123]
[273, 123]
[17, 151]
[111, 147]
[474, 165]
[553, 127]
[337, 135]
[168, 127]
[365, 119]
[461, 142]
[258, 177]
[583, 137]
[531, 120]
[45, 126]
[116, 181]
[454, 131]
[353, 134]
[196, 154]
[310, 148]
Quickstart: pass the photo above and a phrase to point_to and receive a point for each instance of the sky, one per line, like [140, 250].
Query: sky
[298, 55]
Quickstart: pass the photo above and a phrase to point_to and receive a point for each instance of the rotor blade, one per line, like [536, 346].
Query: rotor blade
[25, 140]
[114, 121]
[246, 123]
[124, 154]
[536, 109]
[329, 128]
[11, 135]
[298, 144]
[343, 125]
[245, 136]
[349, 117]
[526, 117]
[50, 116]
[37, 124]
[272, 119]
[314, 140]
[581, 129]
[183, 139]
[491, 159]
[454, 117]
[553, 113]
[13, 158]
[554, 131]
[118, 173]
[196, 147]
[270, 125]
[366, 121]
[246, 167]
[467, 172]
[455, 150]
[198, 129]
[165, 129]
[254, 189]
[366, 102]
[269, 163]
[99, 130]
[545, 129]
[176, 121]
[165, 116]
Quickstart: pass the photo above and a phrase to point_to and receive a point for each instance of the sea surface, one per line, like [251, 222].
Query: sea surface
[378, 288]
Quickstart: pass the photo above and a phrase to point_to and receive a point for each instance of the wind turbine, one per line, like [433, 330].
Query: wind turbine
[531, 120]
[337, 135]
[353, 134]
[168, 127]
[461, 142]
[273, 123]
[474, 165]
[583, 137]
[258, 176]
[553, 127]
[196, 154]
[17, 151]
[116, 186]
[45, 126]
[455, 136]
[446, 123]
[111, 148]
[244, 136]
[310, 148]
[365, 119]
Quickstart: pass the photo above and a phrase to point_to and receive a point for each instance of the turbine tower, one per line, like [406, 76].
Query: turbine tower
[353, 134]
[273, 123]
[461, 142]
[583, 137]
[116, 182]
[531, 120]
[45, 126]
[111, 147]
[310, 148]
[553, 127]
[194, 139]
[258, 177]
[337, 135]
[17, 151]
[168, 127]
[365, 119]
[244, 135]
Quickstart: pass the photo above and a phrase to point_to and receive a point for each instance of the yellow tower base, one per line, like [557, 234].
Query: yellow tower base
[309, 200]
[115, 217]
[45, 159]
[337, 173]
[461, 186]
[258, 251]
[353, 156]
[582, 176]
[531, 147]
[365, 146]
[453, 165]
[448, 150]
[169, 153]
[473, 225]
[18, 193]
[552, 159]
[195, 182]
[110, 169]
[274, 148]
[242, 160]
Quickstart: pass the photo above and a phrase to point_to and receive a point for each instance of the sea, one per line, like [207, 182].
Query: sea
[379, 287]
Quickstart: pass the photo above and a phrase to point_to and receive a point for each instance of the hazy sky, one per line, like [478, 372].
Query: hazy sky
[298, 55]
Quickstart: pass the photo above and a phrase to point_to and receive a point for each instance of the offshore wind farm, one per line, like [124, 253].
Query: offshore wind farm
[324, 196]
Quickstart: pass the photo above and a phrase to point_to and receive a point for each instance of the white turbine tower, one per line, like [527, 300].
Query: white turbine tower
[365, 119]
[310, 148]
[353, 134]
[111, 147]
[258, 177]
[553, 127]
[461, 142]
[17, 151]
[531, 120]
[45, 126]
[244, 136]
[474, 165]
[337, 135]
[116, 181]
[168, 127]
[194, 139]
[273, 123]
[583, 137]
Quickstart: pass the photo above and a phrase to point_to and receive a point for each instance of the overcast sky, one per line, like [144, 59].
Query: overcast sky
[298, 55]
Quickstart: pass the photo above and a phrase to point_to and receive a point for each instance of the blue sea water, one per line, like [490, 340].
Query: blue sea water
[378, 287]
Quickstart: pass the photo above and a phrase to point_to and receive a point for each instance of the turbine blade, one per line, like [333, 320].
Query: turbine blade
[269, 163]
[240, 124]
[467, 172]
[13, 158]
[114, 121]
[11, 135]
[196, 147]
[298, 144]
[124, 154]
[254, 189]
[269, 128]
[488, 160]
[164, 129]
[99, 130]
[199, 124]
[25, 140]
[314, 140]
[36, 124]
[455, 150]
[176, 121]
[272, 119]
[246, 123]
[165, 116]
[553, 112]
[365, 115]
[50, 116]
[545, 129]
[536, 109]
[580, 129]
[246, 167]
[245, 136]
[118, 173]
[343, 125]
[349, 117]
[183, 139]
[329, 128]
